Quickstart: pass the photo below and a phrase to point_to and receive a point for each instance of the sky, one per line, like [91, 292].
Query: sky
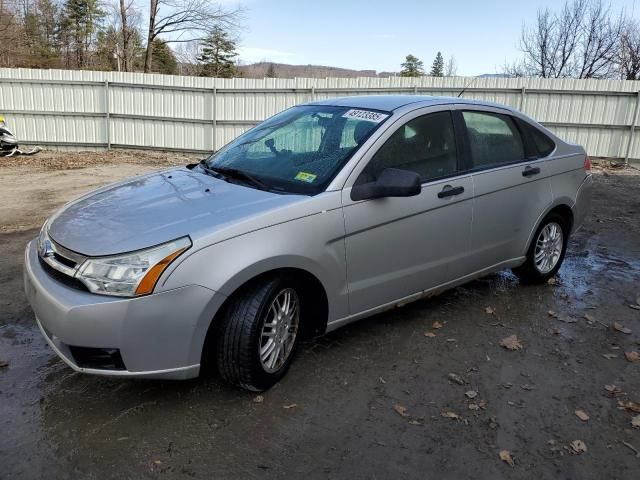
[377, 35]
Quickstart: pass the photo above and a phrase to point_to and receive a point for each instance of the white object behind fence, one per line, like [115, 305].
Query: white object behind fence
[95, 110]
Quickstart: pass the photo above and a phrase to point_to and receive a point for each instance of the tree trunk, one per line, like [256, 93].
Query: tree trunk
[153, 10]
[125, 36]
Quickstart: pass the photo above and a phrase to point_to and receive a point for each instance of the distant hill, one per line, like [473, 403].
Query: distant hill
[283, 70]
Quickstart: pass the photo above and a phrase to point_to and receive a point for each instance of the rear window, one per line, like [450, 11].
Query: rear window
[494, 139]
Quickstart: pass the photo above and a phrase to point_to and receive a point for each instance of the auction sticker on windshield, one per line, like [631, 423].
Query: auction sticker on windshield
[366, 115]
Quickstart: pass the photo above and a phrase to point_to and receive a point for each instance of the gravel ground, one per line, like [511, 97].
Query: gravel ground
[376, 399]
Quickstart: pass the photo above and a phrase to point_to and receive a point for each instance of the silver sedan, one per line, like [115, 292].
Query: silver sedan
[324, 214]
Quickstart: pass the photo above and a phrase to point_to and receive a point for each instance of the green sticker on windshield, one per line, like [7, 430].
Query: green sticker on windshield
[306, 177]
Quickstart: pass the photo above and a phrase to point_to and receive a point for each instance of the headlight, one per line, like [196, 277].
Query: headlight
[131, 274]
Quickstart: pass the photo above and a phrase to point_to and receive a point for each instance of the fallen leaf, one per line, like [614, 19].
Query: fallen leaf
[632, 356]
[635, 307]
[414, 422]
[552, 314]
[456, 378]
[4, 364]
[612, 389]
[578, 446]
[630, 406]
[553, 281]
[581, 414]
[474, 406]
[293, 405]
[511, 343]
[609, 356]
[436, 325]
[429, 334]
[490, 310]
[527, 387]
[382, 380]
[451, 415]
[621, 328]
[471, 394]
[635, 421]
[589, 318]
[258, 399]
[505, 456]
[402, 411]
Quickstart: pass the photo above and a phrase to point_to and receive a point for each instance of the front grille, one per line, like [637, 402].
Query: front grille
[63, 278]
[97, 358]
[65, 261]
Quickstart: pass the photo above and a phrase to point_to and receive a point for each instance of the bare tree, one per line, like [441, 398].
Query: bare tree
[599, 42]
[184, 21]
[451, 67]
[629, 51]
[581, 40]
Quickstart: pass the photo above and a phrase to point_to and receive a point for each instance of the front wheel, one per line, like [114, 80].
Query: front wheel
[546, 251]
[259, 334]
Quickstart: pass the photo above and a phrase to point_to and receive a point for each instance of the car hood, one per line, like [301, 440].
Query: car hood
[156, 208]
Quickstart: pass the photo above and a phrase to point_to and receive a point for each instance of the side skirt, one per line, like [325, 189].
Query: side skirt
[431, 292]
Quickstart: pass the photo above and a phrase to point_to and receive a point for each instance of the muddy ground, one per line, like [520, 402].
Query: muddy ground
[340, 412]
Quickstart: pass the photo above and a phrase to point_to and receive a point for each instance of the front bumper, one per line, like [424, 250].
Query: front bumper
[157, 336]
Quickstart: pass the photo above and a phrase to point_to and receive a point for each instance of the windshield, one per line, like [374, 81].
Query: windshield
[299, 150]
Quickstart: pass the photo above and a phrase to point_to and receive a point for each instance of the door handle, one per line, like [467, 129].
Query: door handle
[449, 191]
[529, 171]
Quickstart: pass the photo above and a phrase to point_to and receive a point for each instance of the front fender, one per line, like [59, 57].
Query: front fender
[314, 244]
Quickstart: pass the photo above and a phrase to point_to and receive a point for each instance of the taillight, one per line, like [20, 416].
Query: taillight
[587, 163]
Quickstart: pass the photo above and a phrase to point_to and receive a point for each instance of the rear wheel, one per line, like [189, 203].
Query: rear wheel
[258, 336]
[546, 252]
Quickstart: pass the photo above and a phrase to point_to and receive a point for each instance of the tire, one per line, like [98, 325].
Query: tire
[533, 272]
[242, 336]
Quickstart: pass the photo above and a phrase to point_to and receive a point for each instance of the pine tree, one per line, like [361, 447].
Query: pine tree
[412, 67]
[163, 60]
[82, 20]
[437, 69]
[218, 54]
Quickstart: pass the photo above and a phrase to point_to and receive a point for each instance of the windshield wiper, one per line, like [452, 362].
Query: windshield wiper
[239, 175]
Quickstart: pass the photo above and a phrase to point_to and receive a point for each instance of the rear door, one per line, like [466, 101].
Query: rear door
[511, 186]
[397, 247]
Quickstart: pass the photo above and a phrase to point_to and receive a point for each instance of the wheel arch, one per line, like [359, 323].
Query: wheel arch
[312, 290]
[560, 207]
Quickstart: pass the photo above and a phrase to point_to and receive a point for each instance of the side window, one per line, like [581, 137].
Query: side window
[494, 139]
[543, 145]
[425, 145]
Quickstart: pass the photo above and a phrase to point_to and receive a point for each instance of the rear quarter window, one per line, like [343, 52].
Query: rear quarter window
[543, 144]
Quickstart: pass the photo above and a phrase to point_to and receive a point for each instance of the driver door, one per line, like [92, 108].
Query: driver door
[397, 247]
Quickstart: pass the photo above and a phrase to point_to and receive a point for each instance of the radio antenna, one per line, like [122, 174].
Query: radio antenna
[467, 86]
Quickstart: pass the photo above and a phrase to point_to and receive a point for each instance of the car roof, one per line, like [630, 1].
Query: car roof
[390, 103]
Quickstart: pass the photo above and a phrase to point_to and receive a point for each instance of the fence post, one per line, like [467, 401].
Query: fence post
[632, 129]
[107, 124]
[214, 117]
[523, 92]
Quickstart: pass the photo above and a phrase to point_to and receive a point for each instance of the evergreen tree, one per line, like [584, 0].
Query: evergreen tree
[218, 53]
[437, 69]
[82, 20]
[412, 67]
[164, 60]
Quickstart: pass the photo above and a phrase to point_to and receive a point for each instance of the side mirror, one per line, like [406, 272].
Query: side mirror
[392, 182]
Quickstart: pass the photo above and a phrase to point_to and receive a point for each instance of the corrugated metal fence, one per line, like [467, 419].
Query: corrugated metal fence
[93, 110]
